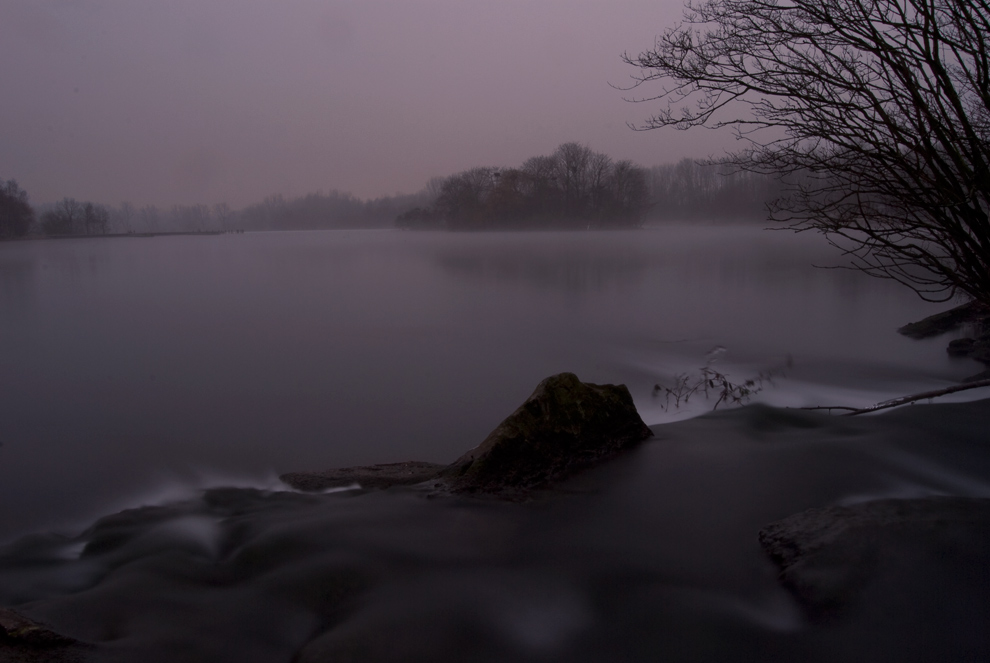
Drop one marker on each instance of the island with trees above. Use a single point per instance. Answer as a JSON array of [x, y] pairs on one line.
[[572, 188]]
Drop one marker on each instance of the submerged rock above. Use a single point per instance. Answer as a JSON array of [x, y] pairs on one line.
[[890, 549], [566, 425], [368, 476]]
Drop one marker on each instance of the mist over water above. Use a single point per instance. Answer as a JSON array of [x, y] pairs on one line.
[[133, 365], [153, 389]]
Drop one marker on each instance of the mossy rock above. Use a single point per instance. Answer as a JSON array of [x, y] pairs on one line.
[[564, 426]]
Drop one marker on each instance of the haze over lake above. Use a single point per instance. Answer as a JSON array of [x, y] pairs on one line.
[[134, 365], [153, 388]]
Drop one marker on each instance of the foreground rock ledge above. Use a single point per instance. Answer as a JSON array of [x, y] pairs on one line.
[[565, 426], [832, 559], [22, 639]]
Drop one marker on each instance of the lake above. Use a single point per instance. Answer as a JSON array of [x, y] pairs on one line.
[[163, 371]]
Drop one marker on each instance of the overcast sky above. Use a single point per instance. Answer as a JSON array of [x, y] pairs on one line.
[[206, 101]]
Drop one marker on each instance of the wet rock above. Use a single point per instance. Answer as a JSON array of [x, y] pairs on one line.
[[564, 426], [889, 550], [961, 347], [24, 640], [947, 321], [369, 476], [974, 348], [981, 350]]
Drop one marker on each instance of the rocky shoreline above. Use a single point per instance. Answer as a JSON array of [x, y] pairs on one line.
[[889, 556], [828, 557]]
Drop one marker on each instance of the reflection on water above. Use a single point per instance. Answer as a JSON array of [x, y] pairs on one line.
[[178, 376], [576, 274], [136, 362], [17, 278]]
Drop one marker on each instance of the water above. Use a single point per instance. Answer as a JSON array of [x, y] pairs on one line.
[[165, 371]]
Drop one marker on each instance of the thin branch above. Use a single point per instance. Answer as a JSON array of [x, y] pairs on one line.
[[903, 400]]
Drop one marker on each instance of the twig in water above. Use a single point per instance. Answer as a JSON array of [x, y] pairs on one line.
[[903, 400], [712, 382]]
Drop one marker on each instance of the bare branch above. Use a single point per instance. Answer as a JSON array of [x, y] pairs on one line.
[[904, 400], [877, 114]]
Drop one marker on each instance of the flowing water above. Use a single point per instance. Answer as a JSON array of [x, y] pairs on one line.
[[162, 383]]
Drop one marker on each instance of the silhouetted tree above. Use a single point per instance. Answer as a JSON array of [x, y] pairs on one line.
[[95, 219], [877, 110], [222, 214], [65, 218], [463, 199], [122, 218], [71, 217], [150, 218], [574, 187], [16, 215]]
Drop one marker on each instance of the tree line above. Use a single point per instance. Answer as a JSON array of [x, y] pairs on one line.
[[693, 190], [320, 211], [574, 187], [69, 217]]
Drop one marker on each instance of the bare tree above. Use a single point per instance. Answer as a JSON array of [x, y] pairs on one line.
[[65, 218], [877, 112], [222, 213], [121, 218], [433, 188], [95, 219], [150, 218]]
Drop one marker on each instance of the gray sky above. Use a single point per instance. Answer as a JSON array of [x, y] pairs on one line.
[[204, 101]]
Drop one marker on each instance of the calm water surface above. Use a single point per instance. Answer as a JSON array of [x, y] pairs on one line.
[[133, 366], [152, 388]]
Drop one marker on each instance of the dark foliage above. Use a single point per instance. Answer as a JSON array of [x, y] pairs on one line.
[[572, 188], [877, 110], [16, 215], [71, 217]]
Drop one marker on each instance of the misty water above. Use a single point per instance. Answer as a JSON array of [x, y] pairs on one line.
[[171, 379]]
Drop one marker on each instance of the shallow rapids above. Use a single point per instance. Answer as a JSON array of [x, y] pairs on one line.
[[653, 557]]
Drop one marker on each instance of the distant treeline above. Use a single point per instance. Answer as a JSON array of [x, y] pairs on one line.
[[322, 211], [574, 187], [16, 215], [693, 191], [70, 217]]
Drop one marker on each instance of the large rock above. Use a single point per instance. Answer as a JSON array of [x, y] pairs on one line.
[[889, 549], [564, 426]]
